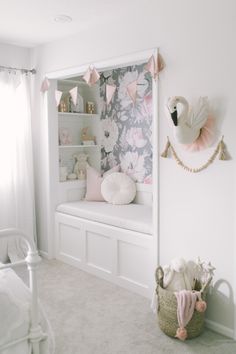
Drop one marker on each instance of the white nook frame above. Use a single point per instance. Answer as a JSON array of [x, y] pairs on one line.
[[36, 334], [121, 61]]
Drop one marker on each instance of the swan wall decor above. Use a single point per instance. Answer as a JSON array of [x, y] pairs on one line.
[[193, 128]]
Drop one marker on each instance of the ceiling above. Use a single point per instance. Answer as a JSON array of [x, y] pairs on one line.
[[31, 22]]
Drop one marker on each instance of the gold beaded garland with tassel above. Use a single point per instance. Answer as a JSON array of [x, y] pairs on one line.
[[220, 149], [165, 152]]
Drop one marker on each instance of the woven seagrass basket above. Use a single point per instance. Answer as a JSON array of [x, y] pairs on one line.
[[167, 309]]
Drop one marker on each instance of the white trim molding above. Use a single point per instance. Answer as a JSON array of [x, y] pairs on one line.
[[44, 254], [216, 327], [112, 63]]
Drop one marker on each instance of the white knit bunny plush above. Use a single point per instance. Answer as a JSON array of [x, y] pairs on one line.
[[178, 276]]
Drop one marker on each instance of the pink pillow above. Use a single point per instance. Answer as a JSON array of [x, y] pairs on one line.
[[94, 181]]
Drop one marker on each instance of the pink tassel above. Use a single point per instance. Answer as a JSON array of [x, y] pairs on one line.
[[201, 306], [181, 333]]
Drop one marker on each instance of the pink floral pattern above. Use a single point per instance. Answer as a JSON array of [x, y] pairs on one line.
[[131, 144]]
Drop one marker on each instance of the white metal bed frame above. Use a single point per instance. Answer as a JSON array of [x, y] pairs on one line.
[[36, 334]]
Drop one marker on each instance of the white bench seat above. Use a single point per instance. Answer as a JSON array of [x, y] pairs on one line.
[[114, 242], [134, 217]]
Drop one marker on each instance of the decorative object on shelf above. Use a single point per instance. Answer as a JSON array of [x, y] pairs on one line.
[[58, 95], [62, 106], [81, 175], [155, 65], [90, 107], [63, 173], [86, 138], [91, 76], [64, 137], [80, 165], [220, 149], [45, 85], [192, 127], [110, 90]]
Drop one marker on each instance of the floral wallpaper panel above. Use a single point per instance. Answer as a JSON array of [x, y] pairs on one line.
[[127, 125]]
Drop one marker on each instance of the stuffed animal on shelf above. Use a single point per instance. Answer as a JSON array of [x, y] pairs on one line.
[[86, 138], [178, 276], [80, 165], [64, 137]]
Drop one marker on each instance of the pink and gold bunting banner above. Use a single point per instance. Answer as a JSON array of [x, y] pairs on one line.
[[155, 66], [151, 67], [58, 95], [160, 63], [87, 75], [74, 94], [45, 85], [110, 90], [91, 76], [132, 90], [94, 76]]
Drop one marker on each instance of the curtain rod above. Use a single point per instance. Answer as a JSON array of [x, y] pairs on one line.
[[24, 71]]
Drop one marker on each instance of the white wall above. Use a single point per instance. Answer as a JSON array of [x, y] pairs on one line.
[[14, 56], [196, 39]]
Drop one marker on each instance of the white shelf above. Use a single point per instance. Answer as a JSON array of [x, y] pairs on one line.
[[74, 82], [71, 114], [77, 146]]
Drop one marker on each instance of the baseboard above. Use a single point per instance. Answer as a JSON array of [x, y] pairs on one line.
[[44, 254], [216, 327]]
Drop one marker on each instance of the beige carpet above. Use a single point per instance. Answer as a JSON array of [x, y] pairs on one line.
[[92, 316]]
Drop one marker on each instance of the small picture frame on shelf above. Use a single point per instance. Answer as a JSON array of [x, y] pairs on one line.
[[90, 107], [64, 136]]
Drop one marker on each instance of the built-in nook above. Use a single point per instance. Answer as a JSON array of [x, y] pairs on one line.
[[96, 236]]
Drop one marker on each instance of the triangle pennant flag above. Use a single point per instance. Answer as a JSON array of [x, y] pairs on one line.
[[74, 94], [58, 95], [132, 90], [94, 76], [91, 76], [45, 85], [154, 66], [160, 63], [151, 66], [87, 75], [110, 90]]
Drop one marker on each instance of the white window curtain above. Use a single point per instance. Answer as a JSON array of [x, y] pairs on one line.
[[16, 163]]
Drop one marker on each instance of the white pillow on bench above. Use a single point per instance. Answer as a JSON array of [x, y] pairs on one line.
[[118, 188]]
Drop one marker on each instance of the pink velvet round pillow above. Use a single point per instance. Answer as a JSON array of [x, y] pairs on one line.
[[118, 188]]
